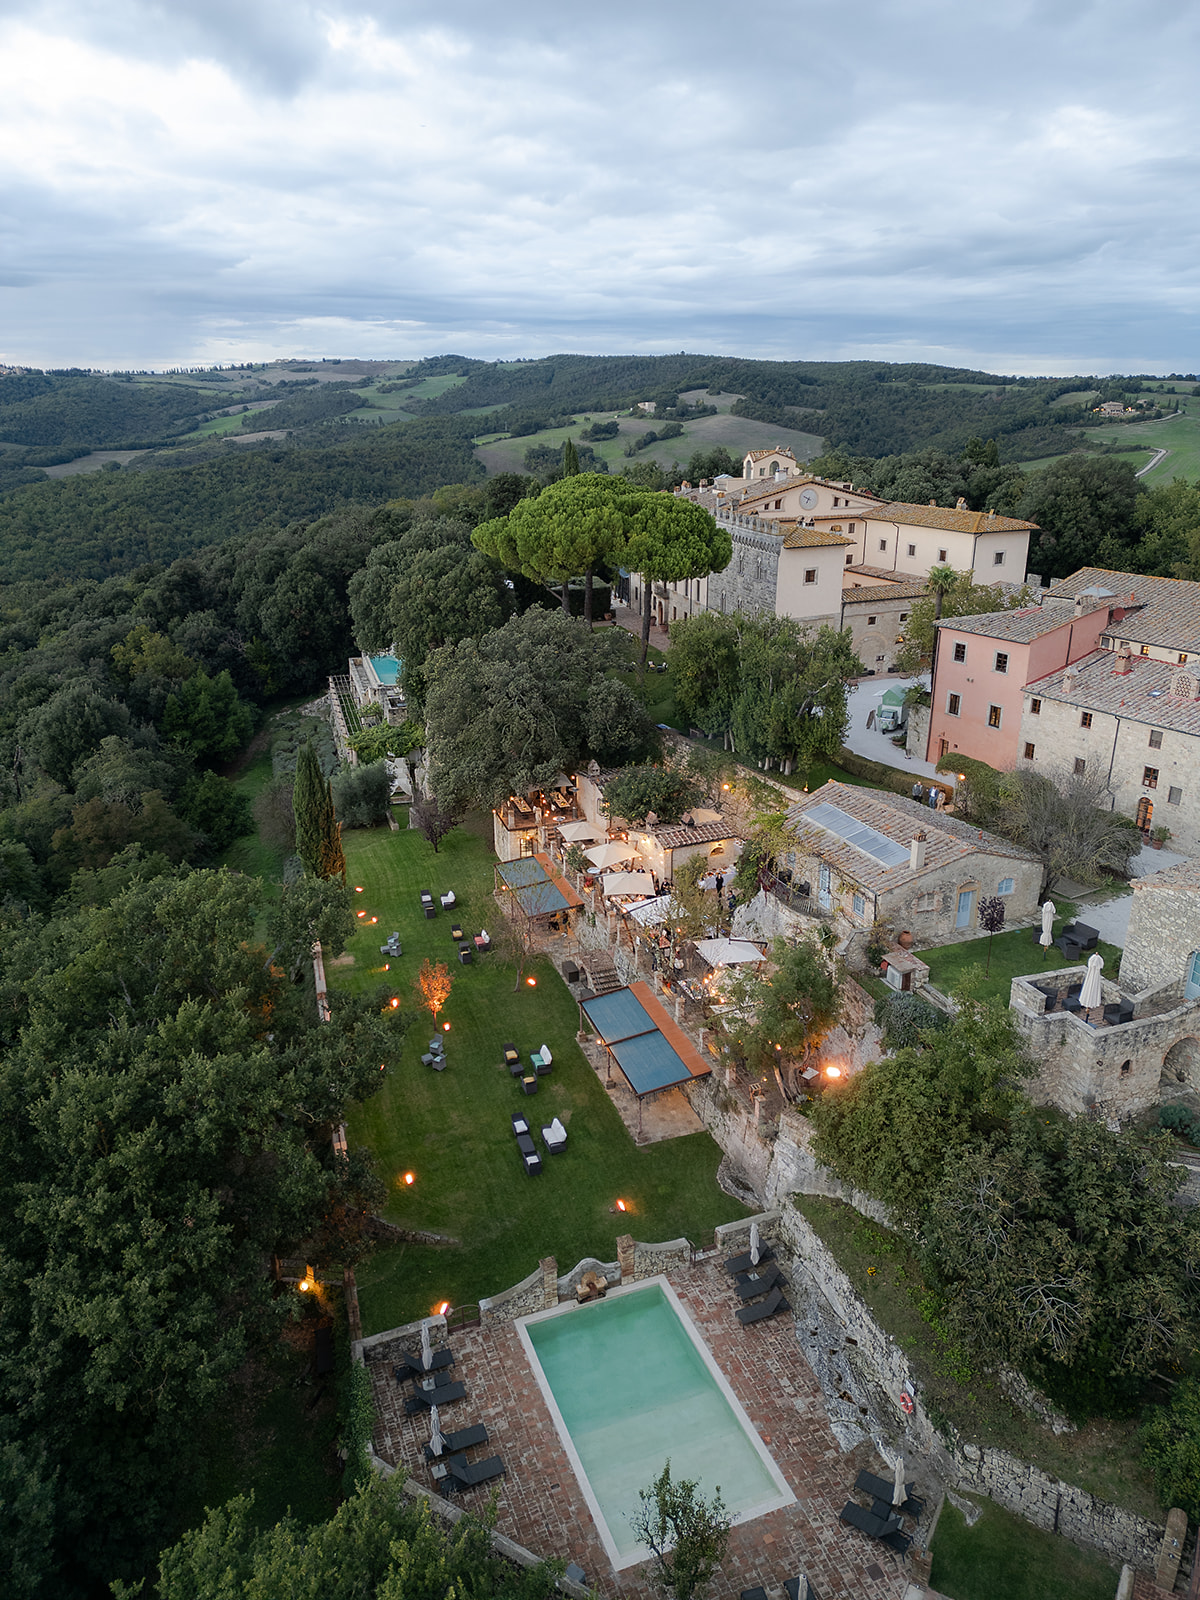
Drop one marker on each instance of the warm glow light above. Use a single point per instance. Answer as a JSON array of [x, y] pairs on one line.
[[410, 1178], [362, 913], [441, 1308], [833, 1072], [445, 1027], [374, 919], [532, 982], [395, 1003], [725, 786], [302, 1285], [358, 888], [620, 1205]]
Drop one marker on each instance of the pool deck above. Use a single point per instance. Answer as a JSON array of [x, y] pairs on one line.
[[542, 1507]]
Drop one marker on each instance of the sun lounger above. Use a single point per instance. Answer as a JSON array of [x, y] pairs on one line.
[[463, 1474], [799, 1589], [555, 1138], [444, 1395], [743, 1263], [882, 1489], [458, 1440], [410, 1366], [448, 900], [749, 1288], [763, 1308], [853, 1515], [897, 1541], [520, 1124], [757, 1593]]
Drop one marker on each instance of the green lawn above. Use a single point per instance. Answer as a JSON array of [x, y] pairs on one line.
[[1013, 955], [737, 434], [1004, 1558], [452, 1129]]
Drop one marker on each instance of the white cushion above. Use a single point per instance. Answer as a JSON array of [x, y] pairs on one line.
[[557, 1131], [544, 1052]]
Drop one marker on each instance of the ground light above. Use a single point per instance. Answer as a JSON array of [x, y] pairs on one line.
[[410, 1178], [532, 982], [395, 1003], [445, 1027], [440, 1309], [833, 1072]]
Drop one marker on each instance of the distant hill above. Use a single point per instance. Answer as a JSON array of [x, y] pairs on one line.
[[77, 410]]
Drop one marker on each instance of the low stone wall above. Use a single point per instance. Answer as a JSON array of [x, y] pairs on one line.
[[534, 1293], [651, 1259], [387, 1346]]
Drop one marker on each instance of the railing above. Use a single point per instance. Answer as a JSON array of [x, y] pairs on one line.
[[790, 896], [462, 1317]]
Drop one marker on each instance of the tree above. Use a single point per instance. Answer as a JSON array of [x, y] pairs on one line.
[[991, 920], [687, 1534], [275, 814], [1170, 1442], [961, 597], [1170, 518], [904, 1020], [362, 794], [671, 539], [1088, 510], [665, 789], [64, 731], [310, 910], [432, 820], [433, 983], [206, 717], [792, 1007], [318, 833], [212, 804], [941, 580], [509, 711], [570, 459], [1063, 818]]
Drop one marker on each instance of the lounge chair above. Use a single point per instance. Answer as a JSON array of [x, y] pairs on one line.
[[533, 1164], [520, 1124], [743, 1263], [456, 932], [426, 897], [459, 1440], [799, 1589], [853, 1515], [529, 1083], [897, 1541], [526, 1145], [445, 1394], [555, 1138], [883, 1489], [762, 1309], [430, 912], [465, 955], [511, 1054], [448, 900], [410, 1366], [438, 1063], [483, 940], [751, 1286], [757, 1593], [437, 1044], [463, 1474]]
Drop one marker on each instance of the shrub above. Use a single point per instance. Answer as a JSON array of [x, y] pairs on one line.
[[361, 795], [1182, 1121], [903, 1018], [1171, 1448]]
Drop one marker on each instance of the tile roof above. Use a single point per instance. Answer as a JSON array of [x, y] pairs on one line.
[[886, 573], [797, 481], [801, 537], [945, 517], [674, 838], [761, 455], [1168, 611], [1018, 627], [1183, 875], [881, 593], [1143, 694], [898, 818]]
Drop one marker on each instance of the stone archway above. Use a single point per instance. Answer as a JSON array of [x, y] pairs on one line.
[[1180, 1080]]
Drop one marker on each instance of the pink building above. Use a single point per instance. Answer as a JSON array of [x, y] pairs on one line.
[[981, 664]]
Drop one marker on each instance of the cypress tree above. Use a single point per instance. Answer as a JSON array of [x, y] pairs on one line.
[[308, 805], [332, 862], [570, 459]]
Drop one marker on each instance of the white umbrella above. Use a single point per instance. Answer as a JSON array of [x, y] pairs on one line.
[[754, 1244], [436, 1443], [628, 883], [1091, 994], [426, 1348], [1049, 912], [899, 1495], [577, 832], [651, 912], [609, 855], [727, 952]]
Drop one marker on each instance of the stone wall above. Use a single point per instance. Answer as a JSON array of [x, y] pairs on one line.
[[1164, 930], [651, 1259], [917, 737], [387, 1346], [534, 1293], [749, 583]]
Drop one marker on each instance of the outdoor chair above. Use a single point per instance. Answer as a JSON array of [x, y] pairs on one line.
[[459, 1439], [456, 932], [438, 1062], [426, 897], [881, 1489], [461, 1474], [529, 1083], [511, 1053], [520, 1124], [799, 1589], [533, 1165], [853, 1515], [540, 1063], [483, 940], [751, 1286], [762, 1309], [437, 1044], [576, 1574], [743, 1263], [897, 1541], [410, 1365], [757, 1593], [448, 900], [444, 1394], [526, 1145], [555, 1138], [430, 913], [464, 955]]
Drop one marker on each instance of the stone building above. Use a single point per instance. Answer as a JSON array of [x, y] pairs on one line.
[[1163, 941], [863, 856], [877, 614]]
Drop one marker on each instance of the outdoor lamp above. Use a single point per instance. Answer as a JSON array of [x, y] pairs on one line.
[[441, 1308], [833, 1072], [410, 1178]]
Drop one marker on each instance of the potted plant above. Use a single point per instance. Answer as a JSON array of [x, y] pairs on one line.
[[1159, 837]]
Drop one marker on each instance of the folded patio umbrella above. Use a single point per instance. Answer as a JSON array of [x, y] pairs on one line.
[[1049, 912], [426, 1347], [1091, 994], [754, 1246], [436, 1443], [609, 855], [899, 1492], [702, 814]]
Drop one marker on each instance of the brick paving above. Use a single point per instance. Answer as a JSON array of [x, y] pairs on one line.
[[542, 1507]]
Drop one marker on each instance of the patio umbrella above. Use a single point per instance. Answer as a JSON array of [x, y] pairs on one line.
[[577, 832], [609, 855], [702, 814], [1091, 994], [754, 1244], [436, 1443], [898, 1492], [426, 1349], [1049, 912]]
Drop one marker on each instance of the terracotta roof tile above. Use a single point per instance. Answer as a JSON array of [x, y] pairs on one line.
[[1168, 609], [800, 537], [674, 838], [944, 517], [881, 593], [1143, 694], [1184, 875], [1017, 627]]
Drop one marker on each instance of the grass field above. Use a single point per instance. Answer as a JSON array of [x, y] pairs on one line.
[[1102, 1456], [737, 434], [1013, 955], [452, 1129], [1002, 1557]]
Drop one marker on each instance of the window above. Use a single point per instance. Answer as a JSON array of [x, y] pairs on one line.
[[1156, 739], [1174, 795], [860, 906], [1150, 778], [1001, 660], [849, 559], [926, 902], [1035, 707], [1080, 766], [953, 704], [912, 549], [1085, 719], [883, 544], [994, 715], [836, 501], [1145, 650], [1183, 658], [851, 528], [810, 574], [870, 622], [904, 616], [1029, 752], [960, 652], [1005, 886], [998, 559], [941, 555]]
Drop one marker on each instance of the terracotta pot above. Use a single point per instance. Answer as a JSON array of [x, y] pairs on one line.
[[905, 940]]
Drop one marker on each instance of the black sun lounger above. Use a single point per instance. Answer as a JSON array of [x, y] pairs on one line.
[[763, 1308], [751, 1288], [459, 1439], [445, 1394], [881, 1489], [743, 1263], [411, 1367], [464, 1474], [867, 1522], [799, 1589]]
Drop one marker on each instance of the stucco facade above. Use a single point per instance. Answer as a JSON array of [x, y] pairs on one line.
[[910, 539]]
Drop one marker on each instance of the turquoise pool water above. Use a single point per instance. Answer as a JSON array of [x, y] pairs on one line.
[[387, 669], [632, 1385]]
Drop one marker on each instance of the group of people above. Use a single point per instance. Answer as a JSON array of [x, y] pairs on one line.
[[933, 797]]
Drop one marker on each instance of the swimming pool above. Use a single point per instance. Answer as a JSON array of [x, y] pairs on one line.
[[629, 1382], [386, 669]]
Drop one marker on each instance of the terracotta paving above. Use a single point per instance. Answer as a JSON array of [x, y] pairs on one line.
[[542, 1507]]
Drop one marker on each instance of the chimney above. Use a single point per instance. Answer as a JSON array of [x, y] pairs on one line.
[[960, 504], [933, 502], [1069, 678], [916, 852], [1124, 661]]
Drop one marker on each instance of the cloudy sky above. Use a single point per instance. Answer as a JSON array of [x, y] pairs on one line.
[[1013, 186]]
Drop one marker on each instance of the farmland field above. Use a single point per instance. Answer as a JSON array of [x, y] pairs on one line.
[[737, 434]]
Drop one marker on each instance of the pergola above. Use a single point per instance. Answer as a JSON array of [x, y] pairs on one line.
[[650, 1051], [533, 885]]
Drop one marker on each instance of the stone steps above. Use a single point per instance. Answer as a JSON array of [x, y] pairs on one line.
[[602, 974]]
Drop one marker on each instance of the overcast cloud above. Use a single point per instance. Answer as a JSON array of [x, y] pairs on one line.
[[1012, 186]]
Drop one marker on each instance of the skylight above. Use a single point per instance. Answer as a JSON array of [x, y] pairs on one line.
[[869, 840]]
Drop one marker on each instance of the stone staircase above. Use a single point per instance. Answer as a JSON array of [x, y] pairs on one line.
[[602, 975]]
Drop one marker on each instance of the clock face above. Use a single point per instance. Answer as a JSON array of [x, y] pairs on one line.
[[808, 498]]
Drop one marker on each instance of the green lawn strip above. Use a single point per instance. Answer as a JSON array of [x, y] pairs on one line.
[[1014, 955], [1003, 1557], [1101, 1457], [452, 1129]]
